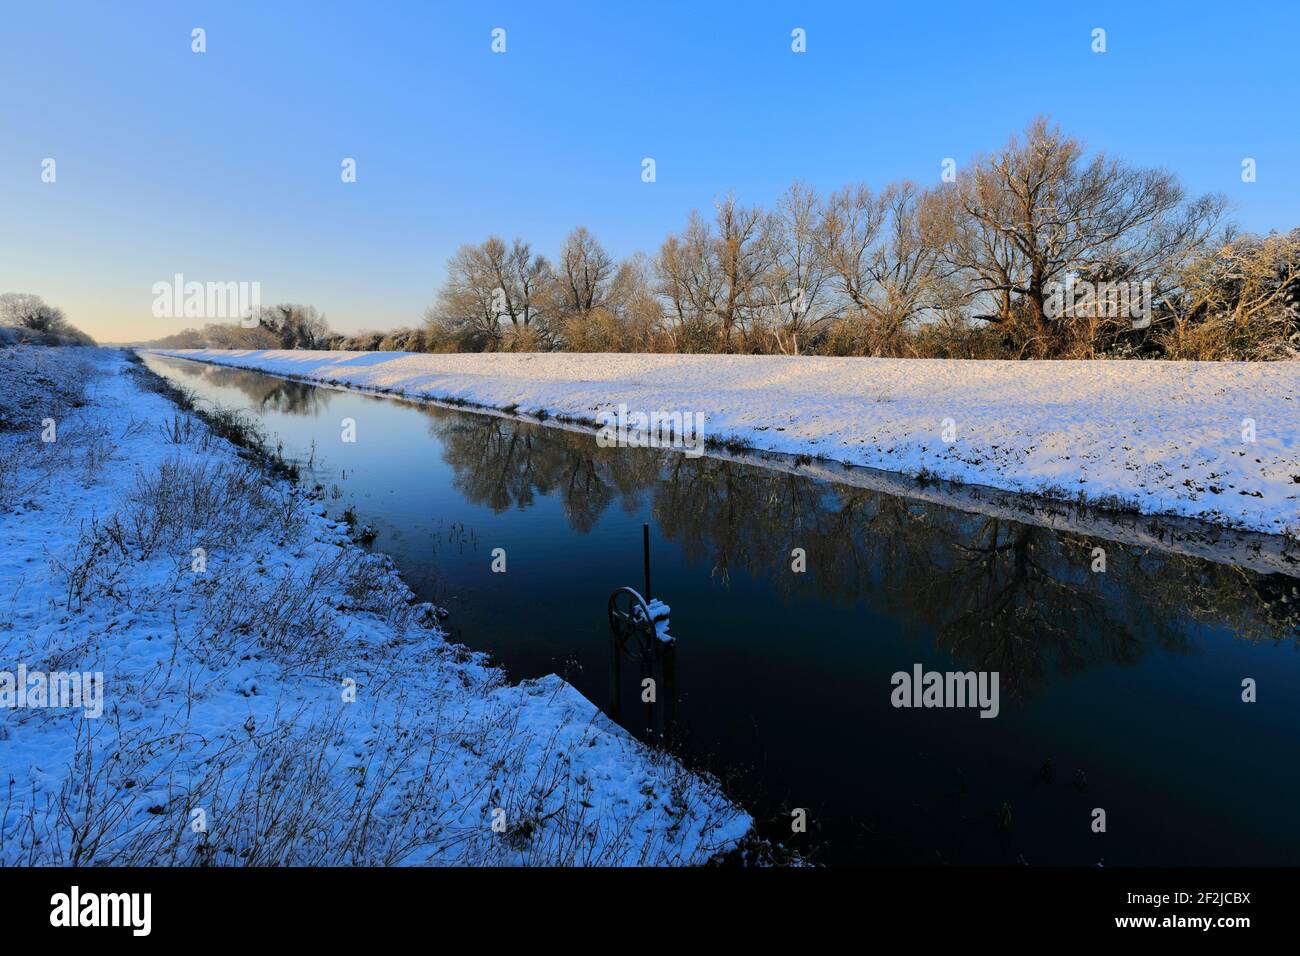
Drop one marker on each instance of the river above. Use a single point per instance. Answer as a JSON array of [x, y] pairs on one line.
[[1119, 690]]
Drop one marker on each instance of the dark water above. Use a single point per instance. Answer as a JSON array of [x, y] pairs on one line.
[[1120, 691]]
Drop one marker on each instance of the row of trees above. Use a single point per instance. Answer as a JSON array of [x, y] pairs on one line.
[[969, 268], [283, 326], [26, 318], [498, 296]]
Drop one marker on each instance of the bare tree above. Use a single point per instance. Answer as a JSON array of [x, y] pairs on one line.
[[742, 259], [850, 232], [632, 300], [525, 279], [295, 326], [883, 252], [690, 283], [1037, 210], [468, 307], [1240, 301], [488, 286], [36, 321], [26, 311], [711, 279], [584, 274], [795, 283]]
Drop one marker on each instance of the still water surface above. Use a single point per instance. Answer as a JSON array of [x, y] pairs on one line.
[[1120, 691]]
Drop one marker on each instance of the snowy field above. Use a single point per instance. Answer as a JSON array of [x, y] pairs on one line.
[[270, 693], [1219, 442]]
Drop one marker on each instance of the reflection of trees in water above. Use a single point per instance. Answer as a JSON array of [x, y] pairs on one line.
[[501, 464], [998, 594], [266, 393], [718, 512], [1019, 599]]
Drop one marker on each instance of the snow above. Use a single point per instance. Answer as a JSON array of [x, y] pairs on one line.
[[1218, 442], [228, 735], [659, 612]]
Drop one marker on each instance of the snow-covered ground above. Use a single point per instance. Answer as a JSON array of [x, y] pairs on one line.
[[271, 693], [1218, 442]]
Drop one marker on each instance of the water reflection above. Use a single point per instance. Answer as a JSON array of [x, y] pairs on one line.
[[266, 393], [998, 594], [505, 464]]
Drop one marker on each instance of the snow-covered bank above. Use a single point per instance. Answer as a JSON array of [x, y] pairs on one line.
[[271, 693], [1219, 442]]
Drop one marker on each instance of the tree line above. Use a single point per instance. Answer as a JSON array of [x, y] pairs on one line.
[[1037, 250], [28, 319]]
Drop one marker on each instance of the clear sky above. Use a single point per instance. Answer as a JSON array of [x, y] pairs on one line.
[[225, 165]]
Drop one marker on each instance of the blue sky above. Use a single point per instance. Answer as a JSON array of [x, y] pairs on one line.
[[225, 165]]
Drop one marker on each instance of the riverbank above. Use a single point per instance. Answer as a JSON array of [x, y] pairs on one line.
[[271, 693], [1215, 442]]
